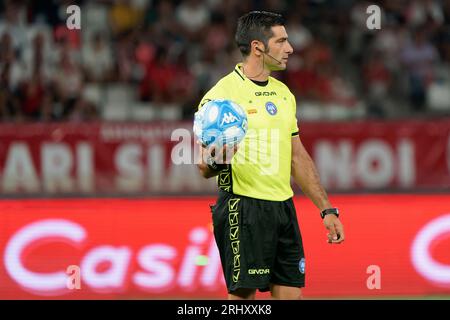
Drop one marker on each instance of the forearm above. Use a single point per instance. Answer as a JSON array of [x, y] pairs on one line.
[[206, 171], [307, 178]]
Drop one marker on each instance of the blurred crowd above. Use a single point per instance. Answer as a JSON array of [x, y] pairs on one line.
[[169, 53]]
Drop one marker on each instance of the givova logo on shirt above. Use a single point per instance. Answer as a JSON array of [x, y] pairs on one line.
[[228, 117]]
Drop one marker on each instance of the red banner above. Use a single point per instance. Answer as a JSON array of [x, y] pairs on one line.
[[378, 155], [158, 158], [164, 248]]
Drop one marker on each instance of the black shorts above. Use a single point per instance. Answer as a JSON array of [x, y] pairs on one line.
[[259, 242]]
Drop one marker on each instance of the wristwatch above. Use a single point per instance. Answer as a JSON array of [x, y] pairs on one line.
[[215, 166], [334, 211]]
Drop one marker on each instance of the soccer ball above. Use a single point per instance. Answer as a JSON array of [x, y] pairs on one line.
[[220, 122]]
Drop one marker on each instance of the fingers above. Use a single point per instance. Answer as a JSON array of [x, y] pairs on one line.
[[229, 152], [221, 155], [336, 234], [340, 233], [204, 146], [332, 235], [213, 151], [225, 154]]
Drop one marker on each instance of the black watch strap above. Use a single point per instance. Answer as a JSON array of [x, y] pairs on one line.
[[334, 211]]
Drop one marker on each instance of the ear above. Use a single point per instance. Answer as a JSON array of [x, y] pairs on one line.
[[257, 47]]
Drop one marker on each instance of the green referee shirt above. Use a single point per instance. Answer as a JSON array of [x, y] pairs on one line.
[[261, 168]]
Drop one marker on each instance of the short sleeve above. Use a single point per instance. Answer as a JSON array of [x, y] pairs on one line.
[[215, 92], [294, 121]]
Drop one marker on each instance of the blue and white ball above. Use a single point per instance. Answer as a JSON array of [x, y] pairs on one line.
[[220, 122]]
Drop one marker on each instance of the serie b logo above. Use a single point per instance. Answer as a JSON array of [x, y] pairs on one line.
[[271, 108]]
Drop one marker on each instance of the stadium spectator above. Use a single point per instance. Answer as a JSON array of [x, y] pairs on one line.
[[377, 80], [68, 82], [124, 17], [419, 58], [39, 54], [82, 111], [422, 12], [14, 23], [119, 41], [125, 58], [97, 59], [12, 68], [299, 36], [193, 16], [31, 94]]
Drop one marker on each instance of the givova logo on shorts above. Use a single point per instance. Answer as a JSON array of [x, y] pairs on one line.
[[233, 220]]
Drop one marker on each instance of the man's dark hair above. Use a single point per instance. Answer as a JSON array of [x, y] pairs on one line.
[[256, 25]]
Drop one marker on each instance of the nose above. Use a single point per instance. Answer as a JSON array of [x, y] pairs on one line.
[[290, 50]]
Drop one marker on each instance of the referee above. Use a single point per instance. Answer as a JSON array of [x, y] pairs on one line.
[[254, 218]]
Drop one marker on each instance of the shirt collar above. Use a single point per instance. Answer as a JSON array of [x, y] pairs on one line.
[[238, 70]]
